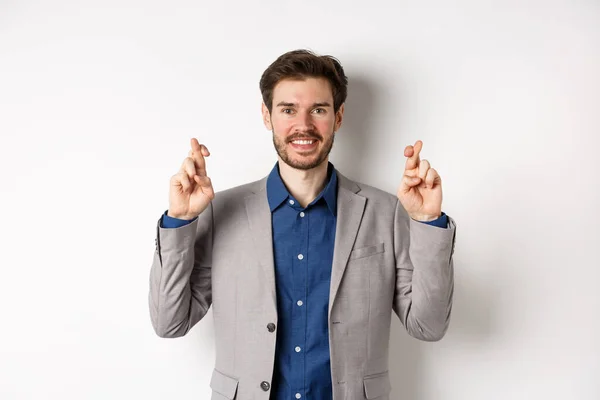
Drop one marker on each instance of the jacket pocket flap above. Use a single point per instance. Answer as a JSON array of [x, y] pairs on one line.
[[377, 385], [223, 384], [367, 251]]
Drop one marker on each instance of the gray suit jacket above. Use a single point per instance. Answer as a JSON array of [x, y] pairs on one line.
[[383, 261]]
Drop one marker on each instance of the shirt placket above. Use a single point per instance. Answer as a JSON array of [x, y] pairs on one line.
[[300, 271]]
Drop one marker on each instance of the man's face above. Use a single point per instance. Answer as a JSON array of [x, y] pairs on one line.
[[303, 121]]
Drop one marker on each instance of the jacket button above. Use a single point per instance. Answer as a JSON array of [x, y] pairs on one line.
[[265, 385], [271, 327]]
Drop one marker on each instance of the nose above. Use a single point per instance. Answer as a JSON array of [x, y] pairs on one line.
[[304, 121]]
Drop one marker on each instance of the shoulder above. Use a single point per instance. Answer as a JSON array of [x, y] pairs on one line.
[[380, 205], [375, 196], [374, 193], [237, 194]]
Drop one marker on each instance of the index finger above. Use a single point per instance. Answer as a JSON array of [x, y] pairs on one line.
[[412, 152]]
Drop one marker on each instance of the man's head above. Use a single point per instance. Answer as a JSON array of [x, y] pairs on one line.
[[303, 105]]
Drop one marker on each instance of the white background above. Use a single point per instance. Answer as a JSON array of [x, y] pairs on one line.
[[98, 101]]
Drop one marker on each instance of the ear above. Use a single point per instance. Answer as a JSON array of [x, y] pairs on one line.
[[266, 115], [339, 115]]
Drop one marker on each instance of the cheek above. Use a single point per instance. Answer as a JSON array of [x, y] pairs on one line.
[[282, 126], [324, 125]]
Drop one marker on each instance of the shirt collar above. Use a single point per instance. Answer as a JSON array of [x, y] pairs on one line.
[[277, 193]]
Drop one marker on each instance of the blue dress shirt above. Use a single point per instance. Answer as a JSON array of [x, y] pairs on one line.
[[303, 241]]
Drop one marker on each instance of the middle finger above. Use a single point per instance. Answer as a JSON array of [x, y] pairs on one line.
[[423, 168], [199, 161]]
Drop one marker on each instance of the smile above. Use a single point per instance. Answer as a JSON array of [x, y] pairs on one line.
[[302, 141]]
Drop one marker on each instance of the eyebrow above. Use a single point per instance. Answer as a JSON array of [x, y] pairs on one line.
[[284, 104]]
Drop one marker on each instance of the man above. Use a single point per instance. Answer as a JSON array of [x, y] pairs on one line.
[[303, 267]]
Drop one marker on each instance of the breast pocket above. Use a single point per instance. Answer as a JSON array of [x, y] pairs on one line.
[[367, 251]]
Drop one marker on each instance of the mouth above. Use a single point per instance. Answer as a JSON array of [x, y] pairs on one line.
[[303, 144]]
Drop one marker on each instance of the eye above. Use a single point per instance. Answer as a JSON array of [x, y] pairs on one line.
[[319, 111], [286, 110]]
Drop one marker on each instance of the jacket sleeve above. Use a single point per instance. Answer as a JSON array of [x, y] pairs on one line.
[[180, 276], [424, 275]]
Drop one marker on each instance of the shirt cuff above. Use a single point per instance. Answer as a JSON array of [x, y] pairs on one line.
[[441, 222], [170, 222]]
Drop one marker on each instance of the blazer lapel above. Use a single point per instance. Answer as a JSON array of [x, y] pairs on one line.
[[259, 219], [350, 208]]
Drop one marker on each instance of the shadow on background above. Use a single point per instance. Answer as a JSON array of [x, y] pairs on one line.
[[351, 152], [473, 307]]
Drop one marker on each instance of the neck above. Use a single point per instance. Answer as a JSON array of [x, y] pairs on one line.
[[304, 185]]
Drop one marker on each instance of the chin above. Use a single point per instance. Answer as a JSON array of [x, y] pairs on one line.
[[303, 163]]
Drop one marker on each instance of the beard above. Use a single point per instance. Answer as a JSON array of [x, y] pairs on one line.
[[310, 162]]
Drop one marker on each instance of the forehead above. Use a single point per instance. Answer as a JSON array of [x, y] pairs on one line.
[[303, 91]]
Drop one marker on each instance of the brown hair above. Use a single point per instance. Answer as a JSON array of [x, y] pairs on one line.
[[301, 64]]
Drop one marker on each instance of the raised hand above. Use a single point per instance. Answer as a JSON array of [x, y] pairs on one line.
[[421, 189], [191, 189]]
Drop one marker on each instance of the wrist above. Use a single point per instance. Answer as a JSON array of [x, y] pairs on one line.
[[424, 217], [180, 216]]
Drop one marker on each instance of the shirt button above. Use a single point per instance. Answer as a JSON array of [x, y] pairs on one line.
[[299, 302], [298, 395], [271, 327], [300, 256], [265, 385], [292, 202], [302, 214], [297, 349]]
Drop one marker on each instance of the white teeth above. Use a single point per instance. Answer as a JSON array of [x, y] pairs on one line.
[[303, 141]]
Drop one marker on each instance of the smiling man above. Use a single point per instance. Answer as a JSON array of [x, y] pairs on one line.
[[304, 267]]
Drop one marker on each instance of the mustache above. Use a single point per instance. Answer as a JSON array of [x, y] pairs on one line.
[[305, 136]]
